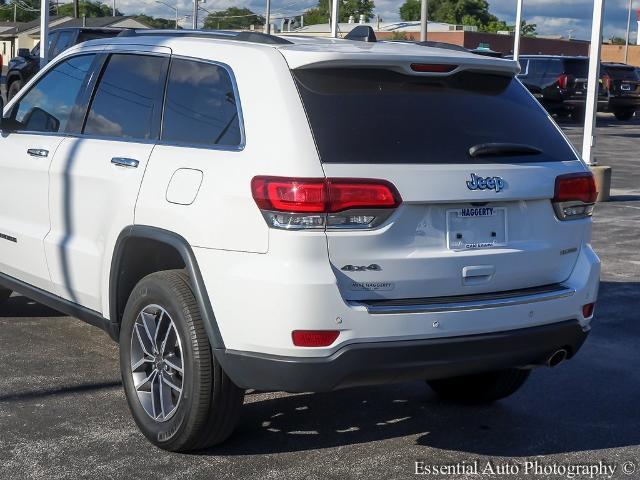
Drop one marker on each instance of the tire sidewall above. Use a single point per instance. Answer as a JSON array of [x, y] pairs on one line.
[[14, 88], [148, 292]]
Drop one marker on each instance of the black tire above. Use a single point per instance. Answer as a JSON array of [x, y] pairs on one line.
[[14, 88], [624, 115], [210, 403], [480, 388], [4, 295]]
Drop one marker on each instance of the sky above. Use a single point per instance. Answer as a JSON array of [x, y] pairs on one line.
[[553, 17]]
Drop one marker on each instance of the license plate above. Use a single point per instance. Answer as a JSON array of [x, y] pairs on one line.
[[626, 87], [476, 227]]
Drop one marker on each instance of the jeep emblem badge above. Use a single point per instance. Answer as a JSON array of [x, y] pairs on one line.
[[485, 183]]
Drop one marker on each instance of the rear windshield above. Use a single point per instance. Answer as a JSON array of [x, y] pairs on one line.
[[380, 116], [622, 73], [578, 68]]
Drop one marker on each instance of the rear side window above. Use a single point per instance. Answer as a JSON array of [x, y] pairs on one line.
[[64, 41], [201, 106], [128, 98], [381, 116]]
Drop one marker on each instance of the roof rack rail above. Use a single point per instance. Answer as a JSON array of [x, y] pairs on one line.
[[245, 36]]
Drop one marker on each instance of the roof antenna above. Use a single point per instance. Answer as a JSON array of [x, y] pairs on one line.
[[362, 33]]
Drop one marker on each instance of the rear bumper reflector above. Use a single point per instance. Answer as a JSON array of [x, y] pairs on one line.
[[467, 302]]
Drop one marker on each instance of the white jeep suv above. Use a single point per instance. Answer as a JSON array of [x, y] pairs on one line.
[[243, 211]]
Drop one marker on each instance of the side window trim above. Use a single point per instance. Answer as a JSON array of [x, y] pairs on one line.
[[157, 118], [236, 93], [81, 107]]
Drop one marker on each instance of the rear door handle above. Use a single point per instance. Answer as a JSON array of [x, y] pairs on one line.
[[125, 162], [38, 152]]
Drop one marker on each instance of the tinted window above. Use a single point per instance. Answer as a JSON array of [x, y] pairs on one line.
[[200, 106], [622, 73], [380, 116], [128, 99], [578, 68], [65, 38], [47, 106]]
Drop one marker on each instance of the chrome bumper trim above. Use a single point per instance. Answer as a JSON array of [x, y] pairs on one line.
[[456, 304]]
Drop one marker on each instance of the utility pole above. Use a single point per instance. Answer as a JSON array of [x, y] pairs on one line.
[[267, 19], [44, 32], [424, 14], [516, 40], [334, 18], [76, 9], [15, 12], [626, 43], [195, 14], [114, 8], [589, 139]]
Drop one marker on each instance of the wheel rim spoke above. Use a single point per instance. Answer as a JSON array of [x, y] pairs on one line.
[[174, 362], [156, 363]]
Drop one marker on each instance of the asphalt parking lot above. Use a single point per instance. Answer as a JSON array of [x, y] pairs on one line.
[[63, 413]]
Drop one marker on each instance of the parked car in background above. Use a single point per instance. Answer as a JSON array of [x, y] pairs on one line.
[[27, 63], [559, 83], [622, 83]]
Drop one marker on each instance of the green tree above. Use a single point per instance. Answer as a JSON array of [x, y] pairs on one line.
[[156, 22], [232, 18], [528, 29], [410, 10], [320, 13], [88, 8]]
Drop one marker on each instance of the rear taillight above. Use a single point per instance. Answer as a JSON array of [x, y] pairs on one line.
[[587, 310], [333, 203], [314, 338], [608, 82], [433, 67], [574, 197], [563, 81]]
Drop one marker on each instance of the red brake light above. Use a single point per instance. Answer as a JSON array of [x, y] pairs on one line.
[[319, 195], [433, 67], [563, 81], [575, 187], [608, 82], [314, 338]]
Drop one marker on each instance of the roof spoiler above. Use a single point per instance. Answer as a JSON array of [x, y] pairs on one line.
[[362, 33]]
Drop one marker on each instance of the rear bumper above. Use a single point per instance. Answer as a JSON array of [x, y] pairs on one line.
[[624, 103], [397, 361]]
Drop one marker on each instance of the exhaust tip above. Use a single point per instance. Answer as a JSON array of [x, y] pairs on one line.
[[557, 358]]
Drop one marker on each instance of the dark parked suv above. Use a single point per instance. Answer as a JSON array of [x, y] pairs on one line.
[[622, 83], [27, 63], [559, 83]]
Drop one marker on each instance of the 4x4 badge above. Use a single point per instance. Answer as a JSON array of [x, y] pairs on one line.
[[485, 183]]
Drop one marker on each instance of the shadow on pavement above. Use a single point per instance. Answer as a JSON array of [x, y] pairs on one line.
[[18, 306], [39, 394]]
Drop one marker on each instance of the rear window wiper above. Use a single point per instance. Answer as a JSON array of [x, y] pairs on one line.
[[502, 150]]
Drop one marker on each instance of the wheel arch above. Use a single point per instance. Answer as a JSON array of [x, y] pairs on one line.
[[141, 250]]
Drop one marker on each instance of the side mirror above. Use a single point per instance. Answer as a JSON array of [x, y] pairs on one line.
[[24, 53]]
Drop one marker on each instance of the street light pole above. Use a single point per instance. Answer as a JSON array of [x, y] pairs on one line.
[[424, 15], [591, 109], [44, 32], [518, 32], [195, 14], [626, 43], [267, 19], [334, 18]]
